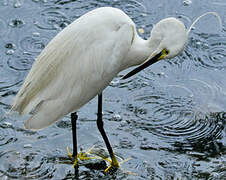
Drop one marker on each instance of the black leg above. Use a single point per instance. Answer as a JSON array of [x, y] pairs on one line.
[[74, 118], [100, 126]]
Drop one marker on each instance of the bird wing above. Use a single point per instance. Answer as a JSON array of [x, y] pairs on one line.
[[73, 68]]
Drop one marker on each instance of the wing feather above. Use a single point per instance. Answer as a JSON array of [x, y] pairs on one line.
[[74, 67]]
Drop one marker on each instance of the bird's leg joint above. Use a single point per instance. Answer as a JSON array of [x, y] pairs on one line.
[[100, 125]]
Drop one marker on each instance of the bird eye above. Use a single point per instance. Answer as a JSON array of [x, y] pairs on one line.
[[167, 51]]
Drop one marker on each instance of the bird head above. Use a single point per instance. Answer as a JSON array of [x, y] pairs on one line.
[[169, 37]]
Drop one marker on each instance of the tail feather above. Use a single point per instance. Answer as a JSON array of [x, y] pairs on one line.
[[47, 113]]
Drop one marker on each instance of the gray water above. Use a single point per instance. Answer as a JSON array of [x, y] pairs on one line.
[[170, 118]]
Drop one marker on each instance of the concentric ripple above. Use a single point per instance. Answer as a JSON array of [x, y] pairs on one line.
[[22, 63], [131, 6], [33, 44], [170, 118], [176, 115], [217, 52], [16, 23], [53, 19], [9, 77], [7, 134], [25, 164], [128, 6], [211, 51]]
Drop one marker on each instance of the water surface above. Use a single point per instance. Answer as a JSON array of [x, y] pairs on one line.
[[170, 118]]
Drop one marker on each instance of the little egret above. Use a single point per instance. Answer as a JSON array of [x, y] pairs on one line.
[[81, 60]]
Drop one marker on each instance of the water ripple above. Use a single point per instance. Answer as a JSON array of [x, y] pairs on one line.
[[9, 78], [210, 51], [170, 123], [16, 23], [25, 164], [217, 52], [33, 44], [15, 3], [53, 19], [22, 63], [7, 134], [128, 6], [131, 6], [3, 29], [176, 115]]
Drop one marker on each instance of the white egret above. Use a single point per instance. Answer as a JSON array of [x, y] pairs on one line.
[[80, 62]]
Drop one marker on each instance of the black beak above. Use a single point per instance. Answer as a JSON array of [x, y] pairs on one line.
[[143, 66]]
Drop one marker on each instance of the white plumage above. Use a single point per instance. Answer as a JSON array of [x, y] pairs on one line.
[[84, 57]]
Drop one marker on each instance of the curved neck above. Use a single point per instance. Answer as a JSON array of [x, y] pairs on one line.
[[139, 52]]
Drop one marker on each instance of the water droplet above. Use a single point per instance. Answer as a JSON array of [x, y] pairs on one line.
[[17, 4], [187, 2], [7, 124], [193, 28], [117, 117], [198, 43], [36, 34], [10, 46], [27, 146], [114, 83], [161, 74], [63, 25], [16, 23], [205, 45], [27, 53], [10, 52]]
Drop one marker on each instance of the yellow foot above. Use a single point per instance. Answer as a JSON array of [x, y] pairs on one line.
[[90, 155], [115, 164], [82, 156], [70, 156], [68, 152]]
